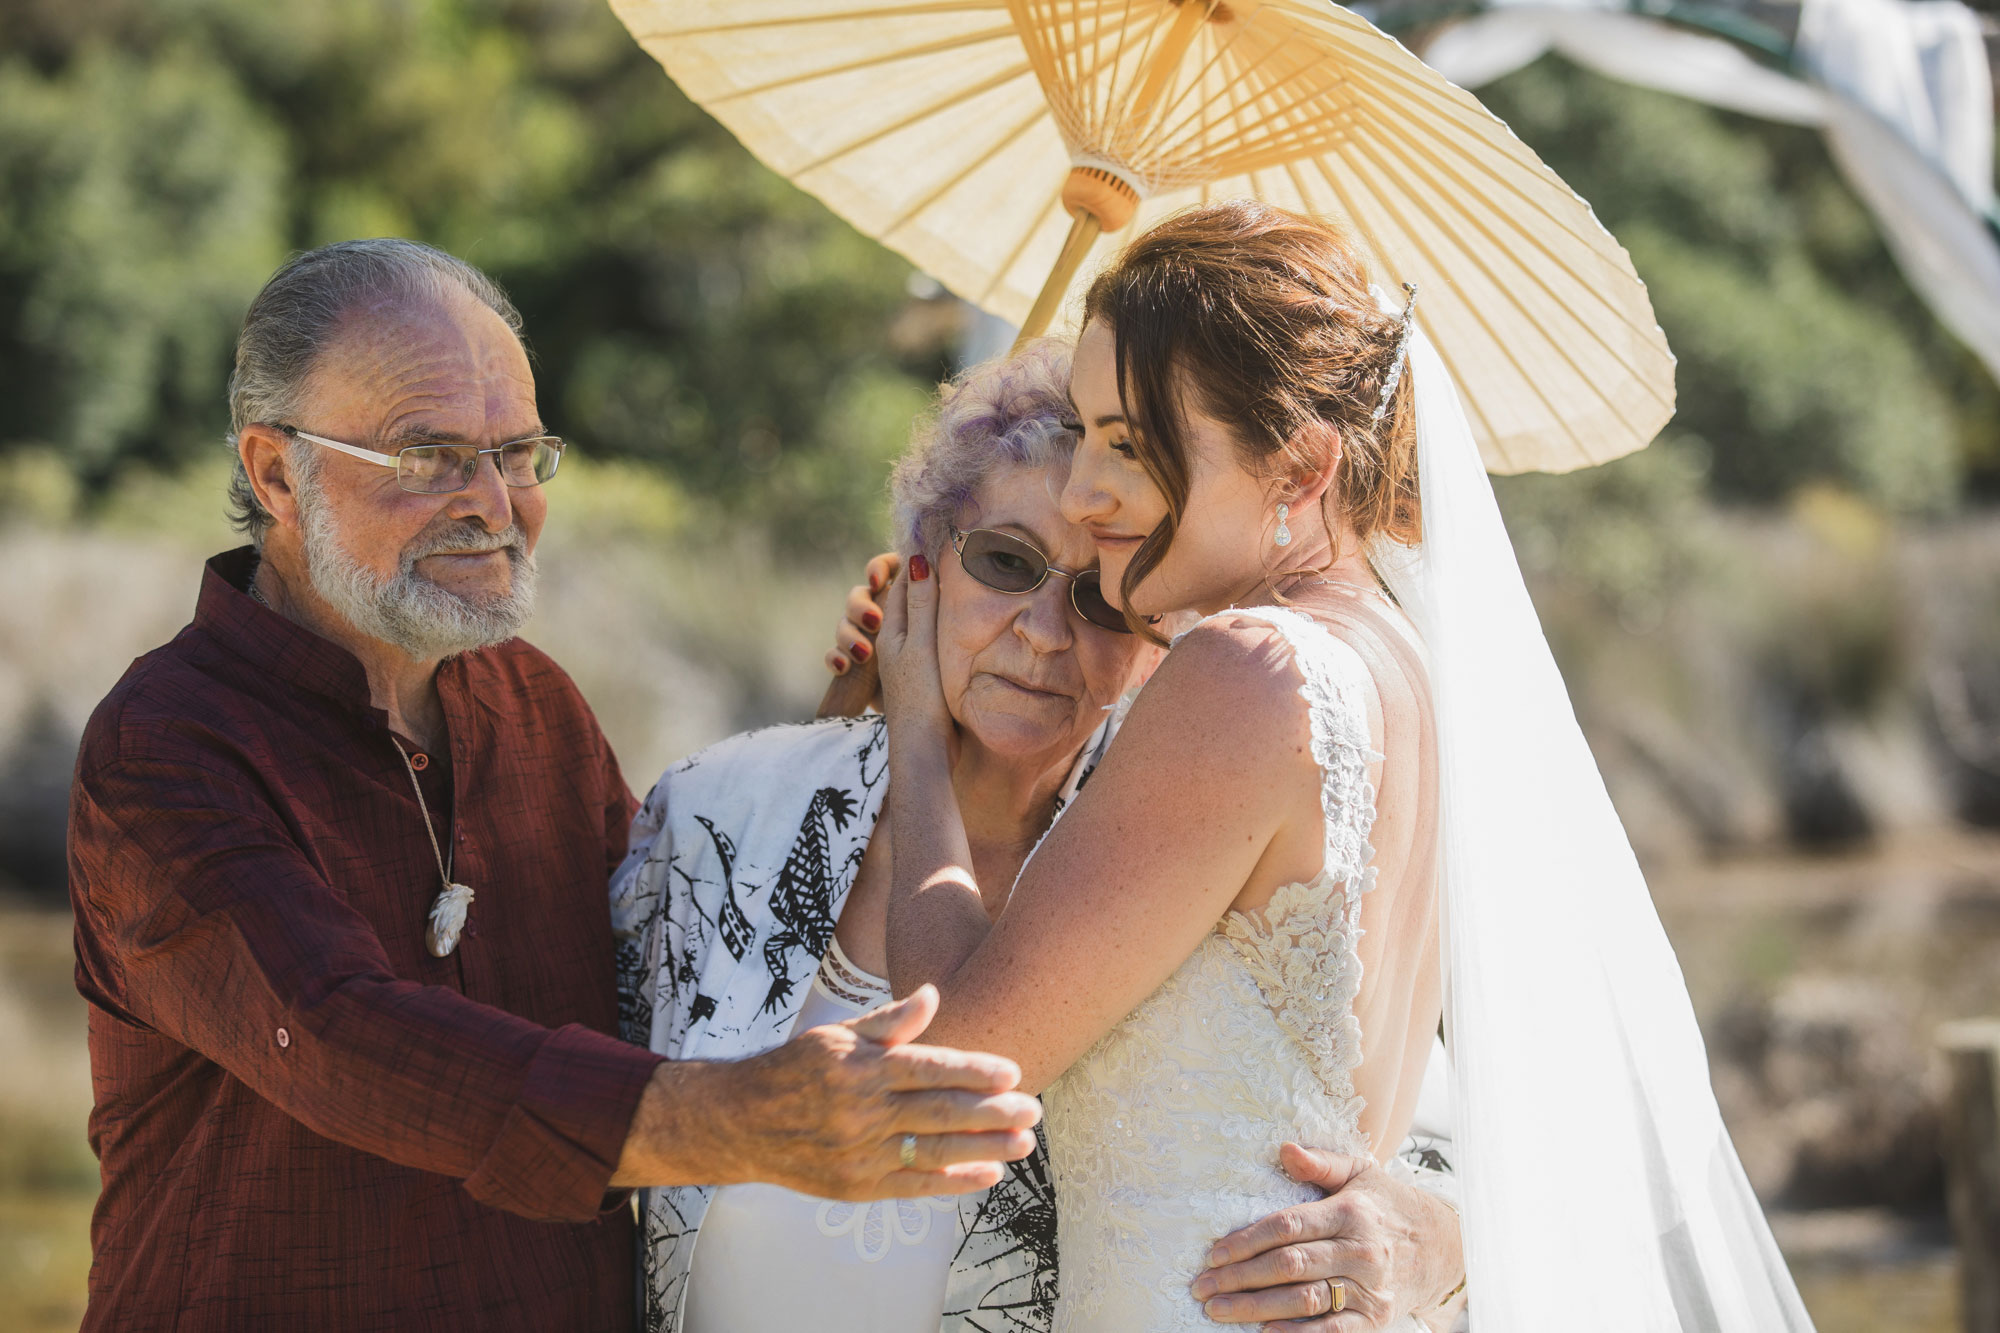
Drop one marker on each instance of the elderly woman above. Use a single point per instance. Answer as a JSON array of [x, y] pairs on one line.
[[753, 904]]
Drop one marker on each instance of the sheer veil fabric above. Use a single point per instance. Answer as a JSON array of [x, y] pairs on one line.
[[1600, 1189]]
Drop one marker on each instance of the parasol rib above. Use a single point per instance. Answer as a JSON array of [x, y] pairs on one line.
[[964, 95], [939, 47], [1222, 49], [1048, 57], [876, 15], [971, 168], [1478, 312], [1644, 332], [1358, 219], [1055, 205], [1165, 134], [1590, 237], [1101, 89]]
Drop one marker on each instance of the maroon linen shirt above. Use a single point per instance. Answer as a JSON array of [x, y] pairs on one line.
[[303, 1120]]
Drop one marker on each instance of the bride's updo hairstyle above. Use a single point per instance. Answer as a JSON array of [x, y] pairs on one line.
[[1264, 317]]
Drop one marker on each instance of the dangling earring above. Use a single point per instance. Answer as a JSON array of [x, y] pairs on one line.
[[1283, 536]]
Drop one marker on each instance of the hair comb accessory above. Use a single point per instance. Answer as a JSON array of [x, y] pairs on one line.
[[1395, 375]]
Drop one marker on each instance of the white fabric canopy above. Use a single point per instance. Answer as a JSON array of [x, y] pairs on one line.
[[1901, 90]]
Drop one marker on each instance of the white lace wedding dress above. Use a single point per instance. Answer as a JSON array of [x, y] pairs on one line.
[[1165, 1135]]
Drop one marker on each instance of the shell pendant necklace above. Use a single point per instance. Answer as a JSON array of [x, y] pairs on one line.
[[454, 901]]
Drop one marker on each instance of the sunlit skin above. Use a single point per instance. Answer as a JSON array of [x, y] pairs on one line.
[[445, 370], [823, 1112], [1223, 554], [1140, 868], [1026, 679]]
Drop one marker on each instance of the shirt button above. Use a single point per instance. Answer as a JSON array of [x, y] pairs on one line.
[[284, 1037], [420, 762]]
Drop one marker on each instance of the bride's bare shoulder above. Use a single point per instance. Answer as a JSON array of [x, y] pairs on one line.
[[1231, 681]]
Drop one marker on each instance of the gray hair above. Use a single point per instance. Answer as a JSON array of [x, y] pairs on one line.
[[1010, 410], [298, 315]]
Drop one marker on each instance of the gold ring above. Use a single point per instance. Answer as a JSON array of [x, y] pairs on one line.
[[1337, 1293], [909, 1152]]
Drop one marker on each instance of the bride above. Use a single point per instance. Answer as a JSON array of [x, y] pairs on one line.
[[1231, 939]]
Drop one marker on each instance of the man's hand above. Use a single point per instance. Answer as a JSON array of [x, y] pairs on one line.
[[827, 1112], [1394, 1247]]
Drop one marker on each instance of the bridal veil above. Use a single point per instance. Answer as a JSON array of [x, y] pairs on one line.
[[1600, 1190]]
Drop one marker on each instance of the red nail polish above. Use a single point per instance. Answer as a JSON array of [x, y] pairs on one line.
[[871, 621], [840, 665], [861, 652], [920, 569]]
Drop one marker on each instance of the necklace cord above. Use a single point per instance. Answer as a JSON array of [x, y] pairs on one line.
[[444, 868]]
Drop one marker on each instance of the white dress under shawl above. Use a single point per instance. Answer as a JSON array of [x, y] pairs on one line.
[[1166, 1133]]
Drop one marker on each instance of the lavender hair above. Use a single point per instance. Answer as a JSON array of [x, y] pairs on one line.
[[1009, 410]]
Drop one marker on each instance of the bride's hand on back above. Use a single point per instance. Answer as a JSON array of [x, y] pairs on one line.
[[1395, 1249]]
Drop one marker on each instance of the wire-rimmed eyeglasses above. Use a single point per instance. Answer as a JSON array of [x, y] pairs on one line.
[[441, 469], [1013, 565]]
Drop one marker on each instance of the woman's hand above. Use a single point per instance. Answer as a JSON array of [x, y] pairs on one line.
[[855, 688], [907, 658], [1395, 1249], [854, 636]]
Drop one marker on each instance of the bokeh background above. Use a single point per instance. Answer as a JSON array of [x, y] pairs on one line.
[[1781, 622]]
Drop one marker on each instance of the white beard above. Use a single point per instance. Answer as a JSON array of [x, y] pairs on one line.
[[407, 610]]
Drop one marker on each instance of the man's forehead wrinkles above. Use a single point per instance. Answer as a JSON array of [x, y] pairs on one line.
[[454, 374]]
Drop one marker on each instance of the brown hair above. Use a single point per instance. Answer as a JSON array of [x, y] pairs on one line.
[[1265, 318]]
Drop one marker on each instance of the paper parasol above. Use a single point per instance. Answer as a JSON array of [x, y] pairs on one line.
[[990, 142]]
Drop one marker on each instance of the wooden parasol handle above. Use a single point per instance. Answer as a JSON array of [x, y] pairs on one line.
[[1083, 233], [1099, 201]]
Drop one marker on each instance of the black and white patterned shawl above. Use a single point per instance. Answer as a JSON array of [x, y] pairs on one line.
[[740, 863]]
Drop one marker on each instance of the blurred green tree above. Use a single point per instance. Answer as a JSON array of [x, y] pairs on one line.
[[686, 307], [140, 200], [691, 311]]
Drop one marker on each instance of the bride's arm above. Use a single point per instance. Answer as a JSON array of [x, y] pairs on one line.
[[1213, 764]]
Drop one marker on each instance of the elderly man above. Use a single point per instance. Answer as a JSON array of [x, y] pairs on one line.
[[338, 862]]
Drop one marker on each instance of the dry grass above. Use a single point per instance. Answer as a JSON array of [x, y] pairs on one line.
[[48, 1179], [1909, 1298]]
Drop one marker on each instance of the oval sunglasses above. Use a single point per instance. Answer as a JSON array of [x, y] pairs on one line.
[[1013, 565]]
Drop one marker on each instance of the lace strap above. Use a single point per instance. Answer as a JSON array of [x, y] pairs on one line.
[[1302, 947], [1341, 744]]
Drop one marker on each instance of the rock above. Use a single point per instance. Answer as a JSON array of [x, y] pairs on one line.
[[1831, 1095]]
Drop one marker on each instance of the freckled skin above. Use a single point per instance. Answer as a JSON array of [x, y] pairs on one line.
[[444, 368], [452, 372], [990, 642], [1223, 553], [1015, 747]]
